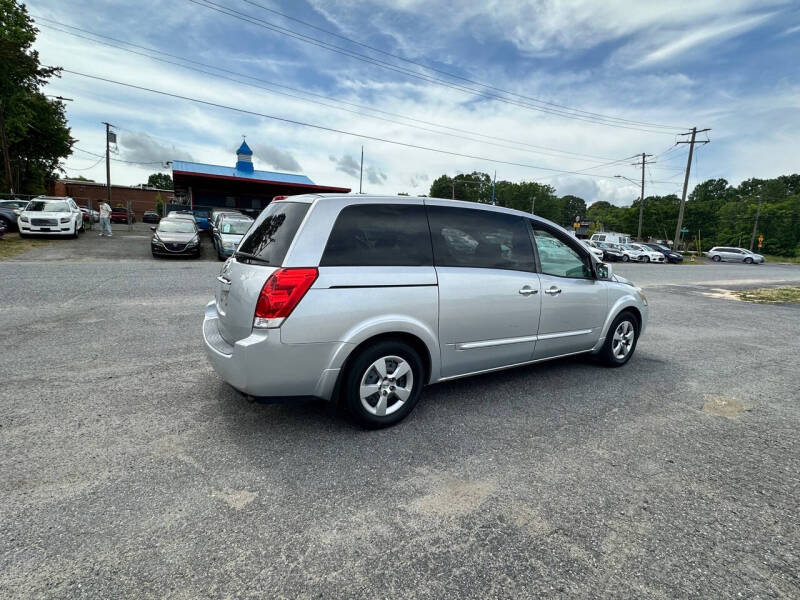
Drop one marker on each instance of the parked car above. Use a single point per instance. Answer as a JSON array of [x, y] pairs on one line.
[[175, 237], [646, 254], [9, 215], [368, 299], [181, 214], [611, 252], [218, 213], [90, 215], [150, 216], [728, 253], [3, 228], [15, 204], [597, 252], [228, 233], [202, 215], [612, 237], [119, 214], [669, 255], [50, 215]]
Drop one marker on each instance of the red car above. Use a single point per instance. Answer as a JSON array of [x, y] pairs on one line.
[[119, 214]]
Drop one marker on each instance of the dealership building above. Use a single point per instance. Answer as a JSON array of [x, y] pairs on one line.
[[240, 186]]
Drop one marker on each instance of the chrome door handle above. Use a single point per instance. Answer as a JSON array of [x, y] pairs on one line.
[[527, 291], [553, 291]]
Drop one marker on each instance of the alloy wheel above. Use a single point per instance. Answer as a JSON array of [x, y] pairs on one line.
[[386, 385], [622, 341]]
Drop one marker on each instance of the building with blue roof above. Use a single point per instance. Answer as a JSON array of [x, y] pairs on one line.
[[241, 186]]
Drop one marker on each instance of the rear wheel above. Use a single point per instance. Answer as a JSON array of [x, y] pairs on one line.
[[383, 384], [620, 340], [748, 260], [625, 258]]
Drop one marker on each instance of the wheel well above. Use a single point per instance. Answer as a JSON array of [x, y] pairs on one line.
[[408, 338], [635, 312]]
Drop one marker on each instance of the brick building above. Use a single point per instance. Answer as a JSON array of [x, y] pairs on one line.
[[82, 192]]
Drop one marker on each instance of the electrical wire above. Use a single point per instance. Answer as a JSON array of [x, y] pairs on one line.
[[453, 75], [329, 129], [343, 51], [132, 162], [274, 84]]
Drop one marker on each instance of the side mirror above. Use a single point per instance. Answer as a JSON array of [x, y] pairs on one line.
[[152, 228], [603, 270]]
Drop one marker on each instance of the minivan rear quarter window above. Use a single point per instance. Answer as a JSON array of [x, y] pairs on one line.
[[271, 235], [464, 237], [386, 235]]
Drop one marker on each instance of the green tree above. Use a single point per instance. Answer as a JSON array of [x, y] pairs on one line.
[[162, 181], [36, 128], [159, 205]]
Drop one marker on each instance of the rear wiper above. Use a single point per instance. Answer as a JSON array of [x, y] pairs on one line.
[[249, 256]]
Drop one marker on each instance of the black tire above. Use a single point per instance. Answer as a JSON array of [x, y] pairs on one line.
[[748, 260], [361, 366], [647, 259], [23, 235], [156, 256], [716, 258], [606, 354], [75, 232], [625, 258]]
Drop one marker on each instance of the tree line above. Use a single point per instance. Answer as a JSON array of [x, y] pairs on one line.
[[716, 214]]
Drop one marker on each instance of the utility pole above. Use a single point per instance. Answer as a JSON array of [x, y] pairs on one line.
[[691, 143], [755, 225], [361, 173], [641, 198], [6, 158], [533, 204], [108, 164]]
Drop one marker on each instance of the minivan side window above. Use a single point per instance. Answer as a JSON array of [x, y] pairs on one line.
[[558, 258], [379, 235], [464, 237]]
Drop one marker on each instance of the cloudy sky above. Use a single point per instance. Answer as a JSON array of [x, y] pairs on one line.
[[549, 91]]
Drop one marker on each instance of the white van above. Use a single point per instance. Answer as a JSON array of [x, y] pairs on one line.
[[611, 236]]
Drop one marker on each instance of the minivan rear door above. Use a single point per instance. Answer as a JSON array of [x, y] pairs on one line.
[[489, 296], [260, 253]]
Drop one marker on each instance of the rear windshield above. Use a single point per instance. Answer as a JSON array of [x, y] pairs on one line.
[[271, 235]]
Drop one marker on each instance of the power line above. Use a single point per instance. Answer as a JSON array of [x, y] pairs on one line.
[[453, 75], [271, 83], [329, 129], [364, 58], [132, 162]]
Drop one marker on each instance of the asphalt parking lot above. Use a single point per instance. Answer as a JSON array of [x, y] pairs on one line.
[[130, 470]]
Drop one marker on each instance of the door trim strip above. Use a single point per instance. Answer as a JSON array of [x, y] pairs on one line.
[[519, 340]]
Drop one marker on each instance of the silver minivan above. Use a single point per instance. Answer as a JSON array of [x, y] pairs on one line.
[[365, 300]]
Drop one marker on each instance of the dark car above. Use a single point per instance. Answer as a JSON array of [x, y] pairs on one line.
[[119, 214], [611, 252], [150, 216], [202, 215], [175, 237], [8, 217], [181, 214], [669, 255]]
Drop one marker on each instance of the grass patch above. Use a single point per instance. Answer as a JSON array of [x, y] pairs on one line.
[[11, 245], [771, 258], [770, 295]]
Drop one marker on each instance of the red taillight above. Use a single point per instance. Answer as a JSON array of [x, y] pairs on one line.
[[276, 198], [281, 293]]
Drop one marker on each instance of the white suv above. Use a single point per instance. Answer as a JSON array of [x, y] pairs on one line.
[[50, 215]]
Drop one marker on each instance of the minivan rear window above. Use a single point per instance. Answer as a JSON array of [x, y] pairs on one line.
[[271, 235], [379, 235]]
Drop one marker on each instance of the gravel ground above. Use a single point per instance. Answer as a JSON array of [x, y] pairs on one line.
[[129, 470]]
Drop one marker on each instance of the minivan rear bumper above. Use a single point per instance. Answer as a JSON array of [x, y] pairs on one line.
[[261, 365]]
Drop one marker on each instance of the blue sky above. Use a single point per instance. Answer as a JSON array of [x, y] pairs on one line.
[[728, 65]]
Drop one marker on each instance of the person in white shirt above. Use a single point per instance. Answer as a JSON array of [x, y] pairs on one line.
[[105, 219]]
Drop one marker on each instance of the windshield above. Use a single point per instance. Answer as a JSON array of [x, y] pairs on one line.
[[47, 206], [176, 226], [629, 247], [235, 227]]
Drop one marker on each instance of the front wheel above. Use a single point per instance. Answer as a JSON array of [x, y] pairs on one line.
[[647, 259], [383, 384], [716, 258], [620, 340], [625, 258]]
